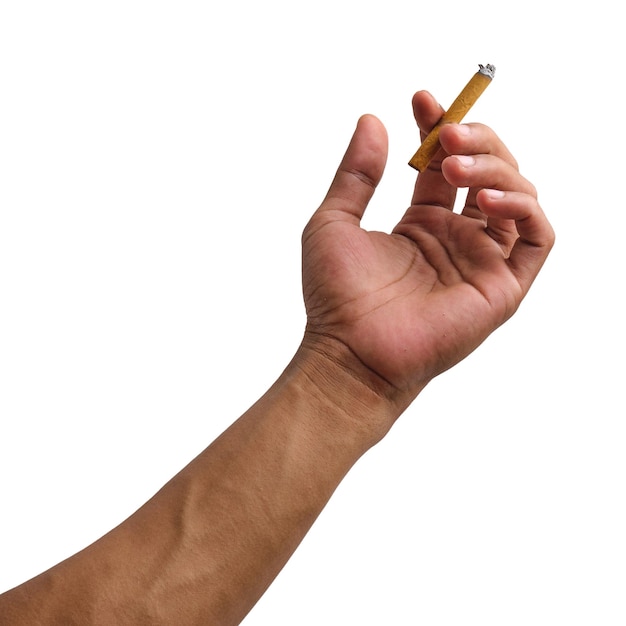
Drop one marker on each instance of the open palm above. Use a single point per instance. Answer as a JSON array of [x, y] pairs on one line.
[[412, 303]]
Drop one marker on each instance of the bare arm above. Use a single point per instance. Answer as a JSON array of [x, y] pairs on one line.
[[385, 314], [206, 547]]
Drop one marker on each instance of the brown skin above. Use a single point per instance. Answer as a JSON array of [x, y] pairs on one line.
[[386, 313]]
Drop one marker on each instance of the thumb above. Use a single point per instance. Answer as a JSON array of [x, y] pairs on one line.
[[360, 170]]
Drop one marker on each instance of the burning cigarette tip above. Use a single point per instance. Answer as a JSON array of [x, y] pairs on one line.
[[487, 70]]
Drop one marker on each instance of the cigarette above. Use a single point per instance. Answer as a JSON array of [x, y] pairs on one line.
[[463, 103]]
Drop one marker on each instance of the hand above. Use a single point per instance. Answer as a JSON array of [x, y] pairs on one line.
[[408, 305]]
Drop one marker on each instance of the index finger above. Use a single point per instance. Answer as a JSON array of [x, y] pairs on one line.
[[431, 187]]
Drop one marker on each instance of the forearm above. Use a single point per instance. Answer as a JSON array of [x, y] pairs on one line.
[[206, 547]]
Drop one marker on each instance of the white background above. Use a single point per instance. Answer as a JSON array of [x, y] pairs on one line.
[[158, 161]]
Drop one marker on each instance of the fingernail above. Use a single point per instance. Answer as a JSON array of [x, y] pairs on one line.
[[465, 160], [494, 194]]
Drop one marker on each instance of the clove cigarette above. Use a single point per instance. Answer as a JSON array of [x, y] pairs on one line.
[[463, 103]]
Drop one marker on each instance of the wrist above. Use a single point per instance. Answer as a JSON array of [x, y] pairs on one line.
[[364, 400]]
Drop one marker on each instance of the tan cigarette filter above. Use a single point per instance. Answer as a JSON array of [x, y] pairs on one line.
[[463, 103]]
